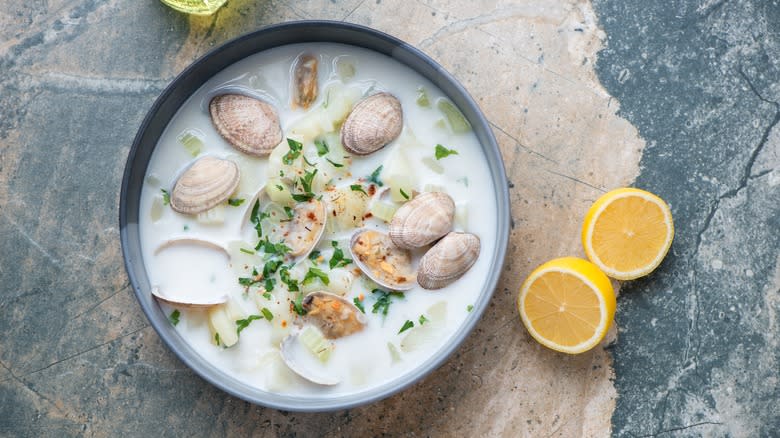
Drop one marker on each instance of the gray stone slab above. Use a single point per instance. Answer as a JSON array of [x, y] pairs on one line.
[[697, 352]]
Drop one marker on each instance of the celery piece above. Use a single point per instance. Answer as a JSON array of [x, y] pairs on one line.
[[430, 163], [455, 118], [314, 341], [156, 211], [383, 210], [191, 140], [422, 97], [279, 193]]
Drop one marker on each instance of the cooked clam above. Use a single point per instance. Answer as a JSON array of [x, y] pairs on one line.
[[208, 182], [448, 260], [184, 298], [305, 228], [305, 81], [373, 123], [248, 124], [192, 241], [422, 220], [381, 260], [302, 362], [334, 315]]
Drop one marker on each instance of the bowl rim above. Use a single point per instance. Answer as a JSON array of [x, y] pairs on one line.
[[198, 73]]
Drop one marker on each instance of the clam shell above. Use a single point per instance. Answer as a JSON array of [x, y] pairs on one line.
[[306, 228], [448, 260], [188, 303], [248, 124], [373, 123], [289, 349], [305, 81], [208, 182], [376, 255], [334, 315], [422, 220]]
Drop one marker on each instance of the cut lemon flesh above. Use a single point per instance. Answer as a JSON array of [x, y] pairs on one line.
[[627, 233], [567, 304]]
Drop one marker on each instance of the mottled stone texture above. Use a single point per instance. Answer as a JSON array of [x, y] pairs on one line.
[[698, 341]]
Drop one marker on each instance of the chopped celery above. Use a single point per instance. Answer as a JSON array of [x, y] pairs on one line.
[[314, 341], [213, 216], [157, 208], [432, 164], [422, 97], [383, 210], [191, 140], [457, 121], [395, 355]]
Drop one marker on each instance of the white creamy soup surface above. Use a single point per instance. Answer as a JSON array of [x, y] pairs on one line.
[[378, 353]]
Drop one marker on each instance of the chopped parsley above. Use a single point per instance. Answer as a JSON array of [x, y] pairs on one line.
[[174, 318], [295, 151], [241, 324], [284, 275], [267, 295], [216, 338], [256, 218], [289, 212], [267, 313], [298, 305], [333, 163], [246, 251], [374, 177], [269, 286], [469, 308], [359, 304], [337, 260], [308, 162], [305, 183], [280, 187], [423, 319], [270, 248], [322, 147], [442, 152], [314, 255], [358, 188], [166, 197], [235, 202], [313, 274], [269, 269], [186, 227], [249, 281], [383, 302], [407, 325], [403, 193]]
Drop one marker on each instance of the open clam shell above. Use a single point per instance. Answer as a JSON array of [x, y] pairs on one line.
[[249, 124], [381, 260], [190, 303], [334, 315], [207, 182], [422, 220], [181, 299], [306, 227], [294, 356], [373, 123], [448, 260]]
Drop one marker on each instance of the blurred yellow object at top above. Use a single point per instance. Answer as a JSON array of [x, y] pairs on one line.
[[196, 7]]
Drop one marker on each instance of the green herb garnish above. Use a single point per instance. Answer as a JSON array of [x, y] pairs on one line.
[[358, 188], [241, 324], [246, 251], [423, 319], [186, 227], [374, 177], [267, 295], [270, 268], [359, 304], [403, 193], [289, 212], [333, 163], [383, 302], [235, 202], [267, 313], [174, 318], [298, 305], [295, 151], [442, 152], [305, 183], [314, 255], [469, 308], [270, 248], [269, 286], [337, 260], [322, 147], [216, 338], [284, 275], [407, 325], [313, 274], [166, 197]]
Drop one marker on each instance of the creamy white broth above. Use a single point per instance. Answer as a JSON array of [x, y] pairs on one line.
[[362, 360]]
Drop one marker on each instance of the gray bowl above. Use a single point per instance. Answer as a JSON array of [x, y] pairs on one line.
[[196, 75]]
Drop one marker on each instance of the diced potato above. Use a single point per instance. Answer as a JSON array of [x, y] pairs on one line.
[[340, 280], [346, 67], [213, 216], [437, 313], [395, 355], [279, 192], [314, 123], [234, 310], [432, 164], [222, 327], [397, 175], [419, 336], [346, 208], [278, 377], [462, 215], [251, 179], [340, 101], [276, 166], [383, 210], [280, 307]]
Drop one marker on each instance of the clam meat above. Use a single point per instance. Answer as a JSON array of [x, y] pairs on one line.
[[381, 260], [248, 124], [304, 81], [422, 220], [207, 182], [334, 315], [373, 123], [448, 260]]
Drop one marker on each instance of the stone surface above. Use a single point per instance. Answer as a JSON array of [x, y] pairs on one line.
[[78, 356], [698, 352]]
